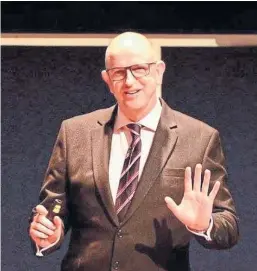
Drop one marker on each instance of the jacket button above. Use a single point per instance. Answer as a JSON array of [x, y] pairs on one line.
[[119, 234], [116, 265]]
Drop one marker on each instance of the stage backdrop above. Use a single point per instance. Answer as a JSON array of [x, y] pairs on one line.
[[41, 86]]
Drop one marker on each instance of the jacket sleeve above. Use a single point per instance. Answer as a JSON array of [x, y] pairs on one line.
[[55, 186], [225, 230]]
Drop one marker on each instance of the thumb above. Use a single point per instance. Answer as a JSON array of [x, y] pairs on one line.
[[171, 204], [41, 210]]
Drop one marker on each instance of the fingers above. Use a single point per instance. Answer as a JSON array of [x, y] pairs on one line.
[[41, 210], [41, 227], [197, 177], [41, 230], [206, 181], [41, 217], [198, 185], [171, 204], [188, 179], [58, 222], [214, 191], [37, 234]]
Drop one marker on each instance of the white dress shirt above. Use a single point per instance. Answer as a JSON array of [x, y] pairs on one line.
[[121, 140]]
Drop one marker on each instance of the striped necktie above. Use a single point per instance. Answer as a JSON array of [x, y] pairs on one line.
[[129, 176]]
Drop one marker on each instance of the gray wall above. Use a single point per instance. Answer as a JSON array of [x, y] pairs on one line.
[[42, 86]]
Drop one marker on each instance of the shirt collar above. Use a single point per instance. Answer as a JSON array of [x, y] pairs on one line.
[[150, 121]]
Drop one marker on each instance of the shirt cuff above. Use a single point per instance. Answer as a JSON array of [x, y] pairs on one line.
[[205, 234]]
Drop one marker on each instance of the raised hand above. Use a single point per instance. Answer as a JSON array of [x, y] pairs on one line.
[[195, 209], [44, 232]]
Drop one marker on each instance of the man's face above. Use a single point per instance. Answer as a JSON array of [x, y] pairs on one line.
[[135, 94]]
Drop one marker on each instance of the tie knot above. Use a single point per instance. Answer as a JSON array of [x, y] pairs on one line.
[[134, 129]]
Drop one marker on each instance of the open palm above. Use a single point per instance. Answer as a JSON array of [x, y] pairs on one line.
[[195, 209]]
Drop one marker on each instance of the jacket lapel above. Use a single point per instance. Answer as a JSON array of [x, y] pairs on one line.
[[101, 145], [163, 144]]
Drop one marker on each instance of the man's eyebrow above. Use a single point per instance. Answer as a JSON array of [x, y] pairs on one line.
[[138, 64], [117, 68]]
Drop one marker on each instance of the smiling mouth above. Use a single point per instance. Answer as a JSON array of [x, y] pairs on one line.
[[132, 92]]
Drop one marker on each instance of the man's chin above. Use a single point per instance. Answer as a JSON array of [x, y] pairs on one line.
[[134, 105]]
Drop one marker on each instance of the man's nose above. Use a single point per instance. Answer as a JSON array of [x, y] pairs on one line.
[[129, 80]]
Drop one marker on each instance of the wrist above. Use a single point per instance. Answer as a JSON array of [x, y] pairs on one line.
[[198, 230], [204, 229]]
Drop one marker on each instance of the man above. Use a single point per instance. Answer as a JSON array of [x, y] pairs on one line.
[[136, 180]]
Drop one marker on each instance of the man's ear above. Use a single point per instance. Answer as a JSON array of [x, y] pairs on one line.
[[106, 79], [160, 71], [105, 76]]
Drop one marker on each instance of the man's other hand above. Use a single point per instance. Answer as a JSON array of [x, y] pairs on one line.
[[195, 209], [42, 231]]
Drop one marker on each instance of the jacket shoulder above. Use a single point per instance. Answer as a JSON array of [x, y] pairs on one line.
[[89, 120], [192, 125]]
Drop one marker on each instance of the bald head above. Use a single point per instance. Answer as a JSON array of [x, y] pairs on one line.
[[133, 74], [129, 42]]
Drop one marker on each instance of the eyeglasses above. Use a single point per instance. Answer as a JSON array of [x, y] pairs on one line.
[[137, 70]]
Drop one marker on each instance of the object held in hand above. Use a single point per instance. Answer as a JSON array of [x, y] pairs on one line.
[[54, 209]]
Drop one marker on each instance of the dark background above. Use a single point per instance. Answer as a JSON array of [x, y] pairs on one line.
[[41, 86], [144, 16]]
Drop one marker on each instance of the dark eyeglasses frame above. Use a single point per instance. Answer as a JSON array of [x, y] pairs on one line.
[[130, 68]]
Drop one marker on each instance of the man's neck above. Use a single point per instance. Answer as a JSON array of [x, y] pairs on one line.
[[150, 120], [136, 116]]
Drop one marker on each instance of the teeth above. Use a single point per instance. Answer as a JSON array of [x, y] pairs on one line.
[[133, 92]]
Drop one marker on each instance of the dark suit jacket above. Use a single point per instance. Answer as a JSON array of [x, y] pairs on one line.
[[150, 237]]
